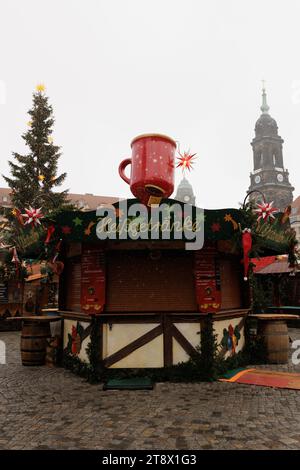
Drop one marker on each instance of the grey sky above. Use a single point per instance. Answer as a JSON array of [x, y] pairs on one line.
[[191, 69]]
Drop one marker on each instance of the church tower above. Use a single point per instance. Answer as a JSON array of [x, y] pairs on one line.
[[185, 192], [269, 175]]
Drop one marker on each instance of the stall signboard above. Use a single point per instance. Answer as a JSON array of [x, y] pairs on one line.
[[92, 280]]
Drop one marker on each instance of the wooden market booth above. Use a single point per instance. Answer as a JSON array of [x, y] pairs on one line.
[[151, 296]]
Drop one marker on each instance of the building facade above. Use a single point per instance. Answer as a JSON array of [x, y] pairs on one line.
[[83, 202]]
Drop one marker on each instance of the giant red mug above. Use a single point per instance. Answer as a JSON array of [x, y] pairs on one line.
[[152, 168]]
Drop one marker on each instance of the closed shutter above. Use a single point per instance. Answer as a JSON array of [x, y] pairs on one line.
[[73, 284], [230, 271], [144, 281]]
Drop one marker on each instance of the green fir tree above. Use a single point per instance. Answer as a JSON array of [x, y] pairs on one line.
[[34, 175]]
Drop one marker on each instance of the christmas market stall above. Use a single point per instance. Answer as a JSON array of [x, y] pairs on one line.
[[277, 283], [152, 294]]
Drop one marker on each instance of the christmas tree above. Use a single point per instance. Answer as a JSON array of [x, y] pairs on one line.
[[34, 175]]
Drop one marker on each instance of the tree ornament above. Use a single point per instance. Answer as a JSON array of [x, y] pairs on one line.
[[41, 178], [265, 211], [40, 87], [50, 139], [17, 213], [247, 245], [29, 123], [33, 216], [186, 160]]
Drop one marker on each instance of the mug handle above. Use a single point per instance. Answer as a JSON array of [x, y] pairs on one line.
[[122, 167]]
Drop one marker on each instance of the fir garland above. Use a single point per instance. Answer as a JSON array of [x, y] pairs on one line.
[[204, 366]]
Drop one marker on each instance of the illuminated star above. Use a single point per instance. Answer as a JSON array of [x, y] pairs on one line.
[[32, 216], [216, 227], [88, 229], [77, 221], [66, 229], [40, 87], [186, 161], [265, 211], [228, 218]]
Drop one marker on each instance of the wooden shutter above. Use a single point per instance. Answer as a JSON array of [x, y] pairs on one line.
[[150, 281], [230, 271], [73, 284]]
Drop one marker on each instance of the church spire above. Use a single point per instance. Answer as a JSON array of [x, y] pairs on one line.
[[264, 107]]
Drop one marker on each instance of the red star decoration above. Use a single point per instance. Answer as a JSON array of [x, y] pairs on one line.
[[216, 227], [265, 211], [66, 229], [186, 160]]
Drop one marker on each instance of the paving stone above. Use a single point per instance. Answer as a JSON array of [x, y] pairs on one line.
[[50, 408]]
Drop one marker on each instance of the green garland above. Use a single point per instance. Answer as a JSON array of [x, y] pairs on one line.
[[205, 365], [94, 370]]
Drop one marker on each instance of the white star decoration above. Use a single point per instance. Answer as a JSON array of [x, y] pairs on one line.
[[265, 211], [32, 216]]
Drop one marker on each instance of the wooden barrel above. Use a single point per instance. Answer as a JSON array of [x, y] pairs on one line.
[[33, 342], [275, 335]]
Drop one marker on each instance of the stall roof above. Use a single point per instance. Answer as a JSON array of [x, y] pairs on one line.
[[279, 265], [219, 224]]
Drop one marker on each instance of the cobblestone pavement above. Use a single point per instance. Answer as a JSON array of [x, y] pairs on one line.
[[44, 408]]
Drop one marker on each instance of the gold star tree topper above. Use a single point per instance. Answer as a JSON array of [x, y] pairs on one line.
[[40, 87]]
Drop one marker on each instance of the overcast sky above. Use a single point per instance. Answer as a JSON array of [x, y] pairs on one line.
[[190, 69]]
